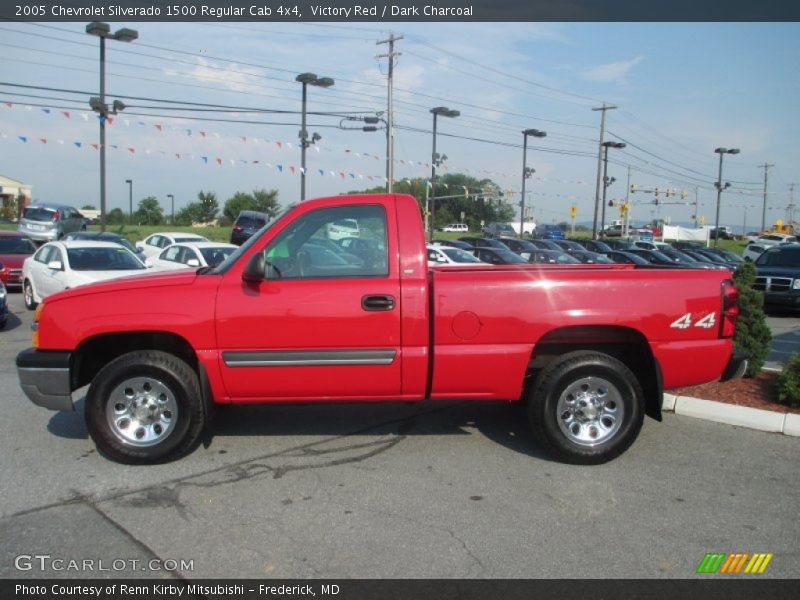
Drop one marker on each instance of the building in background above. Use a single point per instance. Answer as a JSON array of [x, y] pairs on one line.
[[14, 197]]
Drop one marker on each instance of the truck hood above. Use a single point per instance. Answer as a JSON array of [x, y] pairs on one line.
[[128, 283]]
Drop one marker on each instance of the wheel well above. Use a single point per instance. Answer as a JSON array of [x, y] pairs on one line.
[[627, 345], [94, 353]]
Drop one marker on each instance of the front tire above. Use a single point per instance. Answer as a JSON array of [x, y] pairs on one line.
[[145, 407], [28, 297], [586, 408]]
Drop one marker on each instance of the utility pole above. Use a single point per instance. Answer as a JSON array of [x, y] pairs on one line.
[[791, 205], [627, 204], [696, 205], [765, 166], [604, 108], [390, 110]]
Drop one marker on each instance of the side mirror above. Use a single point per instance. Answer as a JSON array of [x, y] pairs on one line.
[[254, 270], [139, 248], [55, 265], [193, 262]]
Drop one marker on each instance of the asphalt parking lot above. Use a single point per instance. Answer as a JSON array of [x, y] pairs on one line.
[[449, 490]]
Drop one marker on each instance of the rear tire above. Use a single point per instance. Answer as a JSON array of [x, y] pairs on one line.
[[586, 408], [145, 407], [27, 295]]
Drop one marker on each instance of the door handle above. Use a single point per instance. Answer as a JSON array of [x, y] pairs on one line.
[[379, 302]]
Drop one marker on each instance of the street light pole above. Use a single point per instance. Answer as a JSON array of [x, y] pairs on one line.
[[526, 173], [172, 209], [718, 184], [130, 200], [437, 160], [103, 31], [606, 181], [307, 79]]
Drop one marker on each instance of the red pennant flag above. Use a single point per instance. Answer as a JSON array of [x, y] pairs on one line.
[[9, 105], [43, 140], [110, 120], [157, 126], [280, 144], [96, 146], [177, 155], [219, 161], [341, 174], [244, 138], [255, 162], [65, 113], [132, 150], [292, 170], [203, 133]]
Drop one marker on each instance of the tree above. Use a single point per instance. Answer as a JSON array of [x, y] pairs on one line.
[[149, 212], [265, 201], [238, 202], [88, 207], [209, 207], [115, 217], [752, 335]]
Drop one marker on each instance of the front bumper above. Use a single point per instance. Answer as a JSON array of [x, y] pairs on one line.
[[782, 298], [45, 379], [737, 365]]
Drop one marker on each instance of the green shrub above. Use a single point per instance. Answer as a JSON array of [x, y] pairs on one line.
[[752, 332], [788, 382]]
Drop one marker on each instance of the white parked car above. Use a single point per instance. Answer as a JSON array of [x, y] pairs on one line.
[[755, 248], [60, 266], [191, 255], [448, 256], [343, 228], [457, 228], [153, 244]]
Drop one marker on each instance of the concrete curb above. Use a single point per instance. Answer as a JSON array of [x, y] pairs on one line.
[[732, 414]]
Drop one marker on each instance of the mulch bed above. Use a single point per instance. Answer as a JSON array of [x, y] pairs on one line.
[[758, 392]]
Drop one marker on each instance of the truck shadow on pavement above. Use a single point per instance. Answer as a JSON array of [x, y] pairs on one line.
[[504, 424]]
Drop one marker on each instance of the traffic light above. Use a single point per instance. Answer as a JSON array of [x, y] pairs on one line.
[[634, 187], [683, 194]]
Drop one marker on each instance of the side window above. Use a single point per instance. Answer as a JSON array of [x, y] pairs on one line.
[[42, 255], [154, 241], [307, 250], [171, 253], [186, 254]]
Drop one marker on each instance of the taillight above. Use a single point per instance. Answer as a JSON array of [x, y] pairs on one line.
[[730, 309], [56, 216], [237, 228]]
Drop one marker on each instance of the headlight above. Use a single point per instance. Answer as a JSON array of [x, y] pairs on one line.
[[2, 292], [796, 284]]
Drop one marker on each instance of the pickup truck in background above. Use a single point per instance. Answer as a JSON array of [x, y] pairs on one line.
[[289, 317]]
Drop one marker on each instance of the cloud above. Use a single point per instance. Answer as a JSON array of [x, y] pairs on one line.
[[615, 71]]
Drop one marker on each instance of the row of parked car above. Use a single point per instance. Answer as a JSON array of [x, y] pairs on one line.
[[507, 250]]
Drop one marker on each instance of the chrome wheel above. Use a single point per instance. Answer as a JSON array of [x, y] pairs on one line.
[[27, 295], [590, 411], [141, 411]]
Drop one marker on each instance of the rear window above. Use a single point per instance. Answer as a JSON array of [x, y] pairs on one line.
[[35, 213], [251, 222], [16, 245]]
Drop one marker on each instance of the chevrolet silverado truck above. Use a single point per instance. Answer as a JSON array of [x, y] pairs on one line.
[[291, 317]]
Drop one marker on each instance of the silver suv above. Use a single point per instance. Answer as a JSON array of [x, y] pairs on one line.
[[48, 222]]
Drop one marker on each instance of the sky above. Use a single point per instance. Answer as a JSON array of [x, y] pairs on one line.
[[681, 90]]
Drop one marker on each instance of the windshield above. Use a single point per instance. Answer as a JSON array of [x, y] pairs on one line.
[[458, 255], [214, 256], [780, 257], [16, 245], [103, 259]]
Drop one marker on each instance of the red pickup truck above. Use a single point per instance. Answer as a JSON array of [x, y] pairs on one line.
[[292, 317]]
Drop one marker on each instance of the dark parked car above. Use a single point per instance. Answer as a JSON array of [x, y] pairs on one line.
[[521, 247], [551, 257], [626, 258], [545, 244], [591, 258], [778, 275], [482, 242], [453, 243], [498, 229], [654, 257], [498, 256], [246, 224], [593, 245], [549, 232], [619, 244], [568, 245]]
